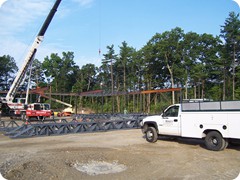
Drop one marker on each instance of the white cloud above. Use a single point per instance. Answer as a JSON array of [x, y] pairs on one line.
[[83, 60], [15, 15], [19, 50], [14, 48], [20, 21], [238, 2], [2, 2]]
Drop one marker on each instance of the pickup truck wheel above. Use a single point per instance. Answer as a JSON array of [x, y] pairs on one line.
[[225, 145], [23, 116], [215, 142], [151, 135]]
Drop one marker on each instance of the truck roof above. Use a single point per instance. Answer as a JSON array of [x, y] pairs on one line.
[[211, 106]]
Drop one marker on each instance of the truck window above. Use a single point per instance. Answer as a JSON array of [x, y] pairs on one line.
[[46, 106], [37, 107], [22, 101], [171, 112]]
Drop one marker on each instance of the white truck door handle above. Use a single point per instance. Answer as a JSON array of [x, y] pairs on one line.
[[175, 120]]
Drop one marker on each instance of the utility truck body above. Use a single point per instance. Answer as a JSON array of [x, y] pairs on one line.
[[217, 122]]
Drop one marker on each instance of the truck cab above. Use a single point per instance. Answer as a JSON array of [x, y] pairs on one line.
[[168, 123], [39, 111]]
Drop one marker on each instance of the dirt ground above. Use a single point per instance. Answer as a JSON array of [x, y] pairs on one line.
[[119, 155]]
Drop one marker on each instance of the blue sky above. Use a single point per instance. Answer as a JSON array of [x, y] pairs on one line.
[[85, 26]]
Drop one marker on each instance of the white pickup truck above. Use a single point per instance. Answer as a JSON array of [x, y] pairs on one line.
[[217, 123]]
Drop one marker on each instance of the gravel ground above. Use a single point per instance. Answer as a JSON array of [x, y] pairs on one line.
[[119, 155]]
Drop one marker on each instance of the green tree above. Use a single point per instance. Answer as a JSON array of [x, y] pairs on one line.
[[125, 57], [206, 66], [169, 48], [209, 58], [190, 53], [123, 65], [8, 69], [60, 71], [38, 74], [86, 78], [110, 56], [231, 33]]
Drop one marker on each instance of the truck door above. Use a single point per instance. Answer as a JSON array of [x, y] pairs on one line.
[[171, 121]]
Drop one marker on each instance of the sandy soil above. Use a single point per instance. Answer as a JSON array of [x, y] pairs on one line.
[[120, 155]]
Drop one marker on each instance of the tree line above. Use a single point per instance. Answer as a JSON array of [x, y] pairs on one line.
[[203, 65]]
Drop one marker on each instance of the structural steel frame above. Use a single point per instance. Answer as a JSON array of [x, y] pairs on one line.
[[96, 93], [14, 130]]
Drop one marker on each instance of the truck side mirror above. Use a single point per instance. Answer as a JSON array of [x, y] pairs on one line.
[[163, 114]]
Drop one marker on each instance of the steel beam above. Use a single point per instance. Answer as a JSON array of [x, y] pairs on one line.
[[85, 124]]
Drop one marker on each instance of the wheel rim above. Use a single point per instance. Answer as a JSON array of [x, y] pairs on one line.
[[149, 135], [214, 141]]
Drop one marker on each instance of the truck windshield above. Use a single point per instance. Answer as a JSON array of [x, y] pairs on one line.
[[171, 112], [37, 107], [46, 106]]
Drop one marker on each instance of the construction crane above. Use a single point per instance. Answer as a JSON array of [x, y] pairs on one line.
[[9, 106]]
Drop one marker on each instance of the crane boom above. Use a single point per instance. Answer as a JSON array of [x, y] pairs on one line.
[[56, 100], [30, 56]]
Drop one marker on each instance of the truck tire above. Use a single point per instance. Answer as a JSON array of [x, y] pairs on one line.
[[41, 118], [215, 142], [23, 116], [151, 135], [225, 145]]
